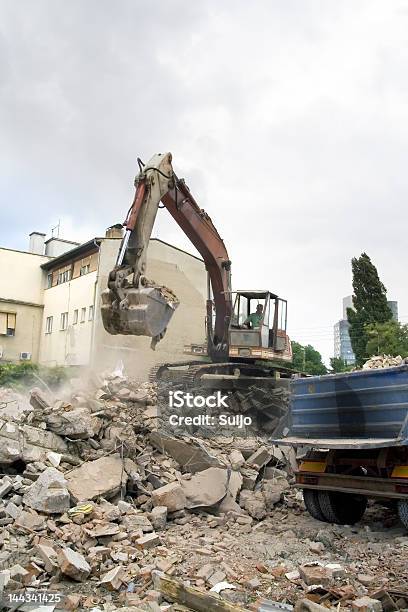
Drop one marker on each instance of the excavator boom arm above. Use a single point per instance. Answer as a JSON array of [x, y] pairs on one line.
[[138, 306]]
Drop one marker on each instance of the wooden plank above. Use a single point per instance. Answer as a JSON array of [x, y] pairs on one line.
[[191, 597]]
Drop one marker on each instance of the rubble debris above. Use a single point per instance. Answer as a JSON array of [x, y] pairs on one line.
[[218, 518], [383, 361]]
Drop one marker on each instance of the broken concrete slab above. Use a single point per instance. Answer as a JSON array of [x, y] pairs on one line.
[[40, 400], [133, 522], [29, 521], [77, 424], [192, 456], [102, 477], [206, 488], [228, 503], [102, 530], [49, 493], [27, 443], [171, 496]]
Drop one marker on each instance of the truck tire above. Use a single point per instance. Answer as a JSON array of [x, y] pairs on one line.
[[311, 499], [342, 508], [403, 511]]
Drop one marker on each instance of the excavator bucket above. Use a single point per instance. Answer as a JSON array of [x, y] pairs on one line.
[[144, 311]]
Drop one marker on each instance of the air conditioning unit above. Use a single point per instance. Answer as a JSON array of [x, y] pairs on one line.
[[25, 356]]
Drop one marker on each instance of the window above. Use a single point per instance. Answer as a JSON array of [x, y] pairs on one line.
[[75, 317], [84, 270], [64, 276], [64, 321], [7, 323], [83, 315], [49, 280], [91, 313], [48, 325]]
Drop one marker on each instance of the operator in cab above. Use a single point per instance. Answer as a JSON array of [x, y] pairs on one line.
[[255, 318]]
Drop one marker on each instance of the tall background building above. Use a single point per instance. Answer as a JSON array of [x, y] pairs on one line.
[[342, 342]]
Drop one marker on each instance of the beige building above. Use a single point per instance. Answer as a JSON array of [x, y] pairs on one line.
[[50, 308]]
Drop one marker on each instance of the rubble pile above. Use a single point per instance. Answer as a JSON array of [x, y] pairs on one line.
[[384, 361], [97, 503]]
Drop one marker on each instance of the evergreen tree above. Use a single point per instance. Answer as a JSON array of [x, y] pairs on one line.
[[370, 304]]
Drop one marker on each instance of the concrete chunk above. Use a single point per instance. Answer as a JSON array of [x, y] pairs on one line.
[[158, 517], [49, 493], [49, 556], [148, 541], [206, 488], [260, 458], [73, 564], [171, 496], [193, 456], [102, 477], [77, 424], [366, 604], [112, 580]]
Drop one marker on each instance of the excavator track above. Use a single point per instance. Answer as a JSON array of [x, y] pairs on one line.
[[265, 397]]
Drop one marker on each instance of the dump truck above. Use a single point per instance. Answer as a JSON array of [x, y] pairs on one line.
[[247, 351], [352, 433]]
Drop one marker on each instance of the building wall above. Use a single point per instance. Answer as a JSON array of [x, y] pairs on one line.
[[21, 293], [21, 277], [73, 345], [186, 276], [27, 332]]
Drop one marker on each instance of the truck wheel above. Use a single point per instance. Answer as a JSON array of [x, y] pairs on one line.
[[311, 499], [342, 508], [403, 511]]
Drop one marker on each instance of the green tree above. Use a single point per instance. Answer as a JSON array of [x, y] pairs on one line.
[[370, 304], [307, 359], [337, 364], [390, 338]]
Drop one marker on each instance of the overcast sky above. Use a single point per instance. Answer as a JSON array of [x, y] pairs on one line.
[[288, 119]]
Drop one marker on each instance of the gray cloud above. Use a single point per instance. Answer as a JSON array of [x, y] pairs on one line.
[[287, 118]]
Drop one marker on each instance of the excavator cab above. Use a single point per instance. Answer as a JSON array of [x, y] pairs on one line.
[[258, 326]]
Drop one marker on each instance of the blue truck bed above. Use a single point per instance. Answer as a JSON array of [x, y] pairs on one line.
[[363, 409]]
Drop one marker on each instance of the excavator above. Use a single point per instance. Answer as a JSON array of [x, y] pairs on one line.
[[246, 355]]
